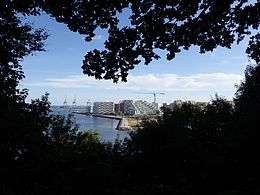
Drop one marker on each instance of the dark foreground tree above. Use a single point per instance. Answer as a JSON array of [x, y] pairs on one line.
[[179, 154], [190, 150], [17, 40], [195, 150], [153, 25], [168, 25], [247, 101], [35, 146]]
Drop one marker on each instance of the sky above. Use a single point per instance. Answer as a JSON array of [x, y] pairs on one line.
[[189, 76]]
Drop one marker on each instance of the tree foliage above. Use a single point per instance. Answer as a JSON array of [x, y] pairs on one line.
[[17, 40], [153, 25], [195, 150], [189, 150], [166, 25]]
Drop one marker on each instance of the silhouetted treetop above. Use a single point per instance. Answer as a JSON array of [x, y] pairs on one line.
[[247, 97], [17, 40], [166, 25], [190, 149]]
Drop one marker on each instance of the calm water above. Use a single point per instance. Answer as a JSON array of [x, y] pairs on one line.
[[105, 127]]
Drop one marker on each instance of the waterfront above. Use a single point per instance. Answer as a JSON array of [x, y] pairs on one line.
[[104, 126]]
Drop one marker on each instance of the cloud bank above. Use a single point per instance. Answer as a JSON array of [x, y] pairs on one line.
[[152, 82]]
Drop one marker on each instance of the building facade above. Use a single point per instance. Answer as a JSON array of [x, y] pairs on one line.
[[128, 107], [103, 108]]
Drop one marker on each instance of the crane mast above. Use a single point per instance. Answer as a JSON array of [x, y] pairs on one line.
[[65, 104], [74, 102], [154, 95]]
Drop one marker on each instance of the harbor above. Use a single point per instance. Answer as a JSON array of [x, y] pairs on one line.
[[124, 123], [129, 114], [106, 127]]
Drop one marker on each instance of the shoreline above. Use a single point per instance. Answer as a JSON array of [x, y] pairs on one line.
[[126, 123], [123, 125]]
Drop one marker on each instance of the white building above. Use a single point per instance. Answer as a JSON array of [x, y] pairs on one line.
[[128, 107], [103, 108]]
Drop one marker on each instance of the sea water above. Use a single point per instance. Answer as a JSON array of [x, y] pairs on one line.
[[105, 127]]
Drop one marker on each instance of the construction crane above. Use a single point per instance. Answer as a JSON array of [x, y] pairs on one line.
[[153, 93], [74, 102], [65, 104]]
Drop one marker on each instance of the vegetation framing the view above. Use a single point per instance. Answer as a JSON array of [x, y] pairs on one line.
[[189, 150]]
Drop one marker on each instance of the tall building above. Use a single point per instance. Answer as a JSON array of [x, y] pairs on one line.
[[103, 108], [128, 107], [119, 108], [89, 107], [145, 108]]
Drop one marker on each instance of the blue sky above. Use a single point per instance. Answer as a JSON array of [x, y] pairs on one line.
[[190, 76]]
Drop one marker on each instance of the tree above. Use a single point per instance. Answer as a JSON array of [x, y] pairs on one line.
[[211, 150], [39, 151], [153, 25], [166, 25], [247, 98], [17, 40], [187, 150], [180, 153], [247, 102]]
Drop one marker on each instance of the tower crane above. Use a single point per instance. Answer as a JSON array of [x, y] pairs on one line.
[[65, 104], [74, 102], [154, 95]]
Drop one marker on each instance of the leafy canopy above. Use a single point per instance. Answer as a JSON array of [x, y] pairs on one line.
[[153, 25]]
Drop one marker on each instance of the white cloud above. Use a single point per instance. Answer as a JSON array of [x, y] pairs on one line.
[[152, 82]]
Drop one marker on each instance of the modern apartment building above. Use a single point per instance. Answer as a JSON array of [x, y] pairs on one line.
[[119, 108], [103, 108], [128, 107]]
